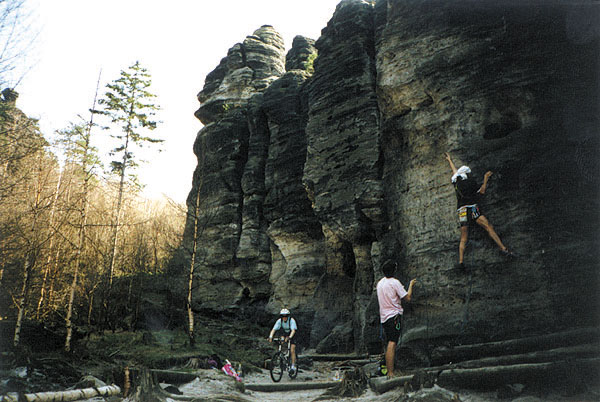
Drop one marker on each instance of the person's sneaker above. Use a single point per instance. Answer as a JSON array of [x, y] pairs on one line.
[[508, 253]]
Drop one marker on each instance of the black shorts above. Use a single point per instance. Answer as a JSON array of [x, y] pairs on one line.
[[292, 339], [392, 328], [468, 214]]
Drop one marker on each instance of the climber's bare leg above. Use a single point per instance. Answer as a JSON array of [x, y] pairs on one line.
[[484, 223]]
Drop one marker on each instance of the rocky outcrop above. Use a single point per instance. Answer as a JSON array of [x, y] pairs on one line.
[[292, 230], [309, 181], [302, 55], [510, 88], [249, 68], [342, 170], [224, 279]]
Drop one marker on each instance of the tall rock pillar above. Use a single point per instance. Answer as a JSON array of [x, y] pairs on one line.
[[342, 171], [228, 273]]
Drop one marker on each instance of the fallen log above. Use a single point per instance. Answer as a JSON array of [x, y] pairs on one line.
[[383, 384], [444, 355], [71, 395], [335, 357], [544, 356], [552, 373], [549, 374], [291, 386], [359, 362]]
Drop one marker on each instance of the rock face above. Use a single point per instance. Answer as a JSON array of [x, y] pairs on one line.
[[343, 167], [249, 68], [308, 181], [507, 88], [217, 200]]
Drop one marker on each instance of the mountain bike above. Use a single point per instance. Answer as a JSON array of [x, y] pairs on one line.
[[281, 361]]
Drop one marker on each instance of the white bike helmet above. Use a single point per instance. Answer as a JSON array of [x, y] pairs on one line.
[[284, 311]]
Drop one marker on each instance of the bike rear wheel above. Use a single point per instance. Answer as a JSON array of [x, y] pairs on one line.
[[277, 366]]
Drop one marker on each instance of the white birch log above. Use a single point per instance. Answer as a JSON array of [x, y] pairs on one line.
[[72, 395]]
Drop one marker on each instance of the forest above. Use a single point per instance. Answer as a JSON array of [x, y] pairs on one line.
[[77, 238], [63, 245]]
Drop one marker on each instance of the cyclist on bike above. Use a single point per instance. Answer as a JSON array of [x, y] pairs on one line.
[[287, 327]]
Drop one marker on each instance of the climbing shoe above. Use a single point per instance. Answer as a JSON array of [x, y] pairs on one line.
[[461, 266], [509, 254]]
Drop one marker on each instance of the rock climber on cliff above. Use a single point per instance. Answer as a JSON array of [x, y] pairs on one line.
[[390, 295], [286, 326], [468, 195]]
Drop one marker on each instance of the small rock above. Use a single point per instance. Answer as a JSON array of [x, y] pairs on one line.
[[173, 390], [434, 394], [510, 391], [20, 372]]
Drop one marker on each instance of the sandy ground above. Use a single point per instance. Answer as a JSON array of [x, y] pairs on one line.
[[214, 385], [221, 385], [323, 372]]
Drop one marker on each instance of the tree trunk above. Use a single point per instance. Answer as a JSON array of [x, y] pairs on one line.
[[72, 395], [145, 387], [82, 222], [192, 264], [22, 301], [50, 246], [68, 321], [53, 274], [29, 259], [90, 308], [190, 312], [291, 386], [78, 257], [115, 235]]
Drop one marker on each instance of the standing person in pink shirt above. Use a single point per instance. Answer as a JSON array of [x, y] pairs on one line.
[[390, 294]]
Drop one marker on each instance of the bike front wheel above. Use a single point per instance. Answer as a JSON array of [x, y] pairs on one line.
[[277, 366]]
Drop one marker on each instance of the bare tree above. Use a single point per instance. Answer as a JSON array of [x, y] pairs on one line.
[[16, 41], [190, 312], [35, 235], [201, 215], [84, 155]]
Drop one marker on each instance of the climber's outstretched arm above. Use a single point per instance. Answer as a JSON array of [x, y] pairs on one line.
[[450, 162], [486, 177]]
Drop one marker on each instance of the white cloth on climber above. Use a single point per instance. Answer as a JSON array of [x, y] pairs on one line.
[[462, 172]]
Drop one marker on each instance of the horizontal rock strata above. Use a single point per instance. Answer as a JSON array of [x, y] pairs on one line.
[[313, 170]]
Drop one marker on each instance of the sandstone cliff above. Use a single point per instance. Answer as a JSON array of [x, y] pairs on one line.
[[309, 180]]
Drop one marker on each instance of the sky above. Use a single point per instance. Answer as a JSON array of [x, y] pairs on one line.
[[179, 42]]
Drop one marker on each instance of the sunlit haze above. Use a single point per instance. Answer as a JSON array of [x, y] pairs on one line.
[[179, 42]]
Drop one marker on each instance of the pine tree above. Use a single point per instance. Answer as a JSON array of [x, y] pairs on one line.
[[128, 104]]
